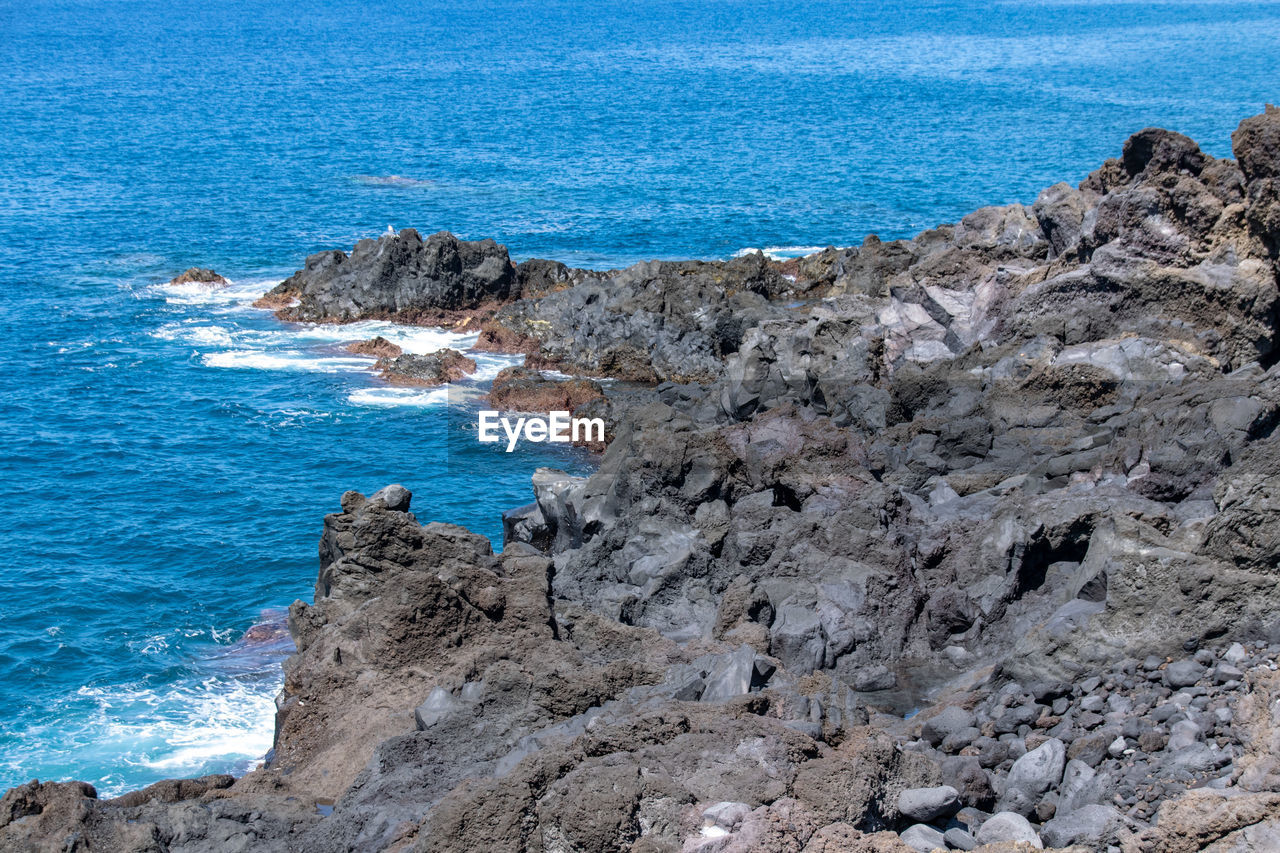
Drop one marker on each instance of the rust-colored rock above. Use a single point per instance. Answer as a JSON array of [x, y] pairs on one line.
[[518, 389], [198, 275], [436, 368], [378, 347]]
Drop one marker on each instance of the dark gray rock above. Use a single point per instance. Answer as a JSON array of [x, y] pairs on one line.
[[991, 752], [1183, 673], [1226, 672], [1095, 826], [399, 276], [1091, 748], [945, 723], [923, 838], [958, 740], [1080, 787], [1032, 775], [928, 804], [1008, 826]]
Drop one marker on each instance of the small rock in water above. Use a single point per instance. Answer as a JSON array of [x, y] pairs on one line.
[[435, 368], [198, 275], [378, 347]]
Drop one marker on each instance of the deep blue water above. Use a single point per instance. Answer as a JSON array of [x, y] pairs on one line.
[[168, 456]]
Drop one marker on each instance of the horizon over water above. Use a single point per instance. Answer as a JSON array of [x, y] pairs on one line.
[[169, 453]]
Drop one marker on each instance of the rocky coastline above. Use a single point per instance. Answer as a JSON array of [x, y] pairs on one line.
[[968, 541]]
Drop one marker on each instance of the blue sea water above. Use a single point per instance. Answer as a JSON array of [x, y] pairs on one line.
[[168, 454]]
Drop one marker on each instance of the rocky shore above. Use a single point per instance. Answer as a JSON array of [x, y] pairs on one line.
[[968, 541]]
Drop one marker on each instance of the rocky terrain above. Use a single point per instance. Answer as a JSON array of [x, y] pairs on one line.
[[968, 541], [433, 368]]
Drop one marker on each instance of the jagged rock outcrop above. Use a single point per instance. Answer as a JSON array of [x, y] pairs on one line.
[[397, 276], [652, 321]]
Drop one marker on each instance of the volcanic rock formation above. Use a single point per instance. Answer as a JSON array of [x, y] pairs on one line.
[[965, 541]]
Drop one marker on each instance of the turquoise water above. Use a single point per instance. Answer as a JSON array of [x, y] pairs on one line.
[[168, 455]]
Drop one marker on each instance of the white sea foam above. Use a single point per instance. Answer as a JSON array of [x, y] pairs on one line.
[[489, 365], [314, 347], [196, 293], [388, 397], [218, 722], [179, 729], [204, 335], [245, 342], [414, 339], [283, 360], [780, 253]]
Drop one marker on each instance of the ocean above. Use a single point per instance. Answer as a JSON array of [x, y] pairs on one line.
[[169, 453]]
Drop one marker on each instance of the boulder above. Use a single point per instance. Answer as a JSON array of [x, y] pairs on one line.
[[923, 838], [948, 721], [1008, 826], [1095, 826], [928, 804], [1032, 775], [1183, 673]]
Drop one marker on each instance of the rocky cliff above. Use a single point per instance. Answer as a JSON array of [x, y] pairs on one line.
[[964, 541]]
